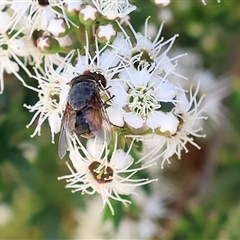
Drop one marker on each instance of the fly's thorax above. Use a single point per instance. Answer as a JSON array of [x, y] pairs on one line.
[[81, 94], [98, 77]]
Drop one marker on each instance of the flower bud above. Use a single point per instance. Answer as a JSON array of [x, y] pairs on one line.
[[48, 45], [106, 33], [72, 9], [88, 14], [58, 27]]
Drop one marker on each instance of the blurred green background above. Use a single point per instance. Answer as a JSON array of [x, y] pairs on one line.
[[35, 205]]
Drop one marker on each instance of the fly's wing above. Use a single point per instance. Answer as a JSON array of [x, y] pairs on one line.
[[67, 126], [99, 124], [63, 143], [106, 131]]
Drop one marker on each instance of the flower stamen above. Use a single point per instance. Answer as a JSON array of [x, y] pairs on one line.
[[142, 101], [101, 173]]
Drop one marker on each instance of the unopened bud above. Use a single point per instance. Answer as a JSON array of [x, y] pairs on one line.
[[58, 27], [48, 45], [72, 9], [88, 14], [106, 33]]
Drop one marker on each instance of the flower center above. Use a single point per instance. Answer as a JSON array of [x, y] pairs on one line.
[[142, 101], [43, 3], [51, 99], [101, 173], [54, 98], [4, 47], [142, 59]]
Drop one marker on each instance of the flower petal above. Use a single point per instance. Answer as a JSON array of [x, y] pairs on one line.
[[166, 92], [120, 95], [166, 122], [54, 122], [139, 78], [121, 160], [115, 116], [133, 120]]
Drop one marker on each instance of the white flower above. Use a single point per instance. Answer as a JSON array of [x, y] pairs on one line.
[[143, 53], [13, 55], [113, 9], [104, 171], [36, 14], [52, 92], [142, 96], [138, 100], [189, 113], [214, 89]]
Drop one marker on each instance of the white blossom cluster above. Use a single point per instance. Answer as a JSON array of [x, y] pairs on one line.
[[56, 41]]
